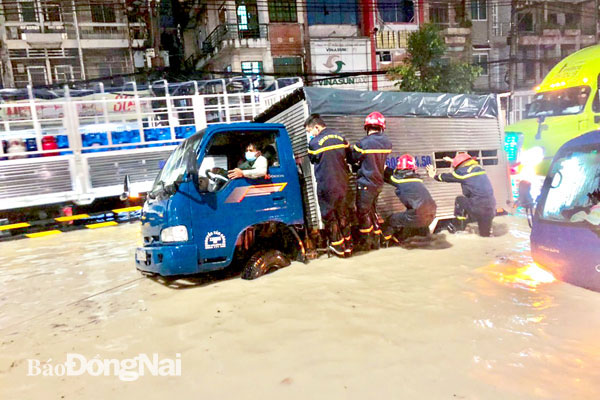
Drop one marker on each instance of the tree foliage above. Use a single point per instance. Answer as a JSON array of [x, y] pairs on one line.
[[425, 69]]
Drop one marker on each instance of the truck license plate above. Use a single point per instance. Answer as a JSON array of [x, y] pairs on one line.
[[140, 255]]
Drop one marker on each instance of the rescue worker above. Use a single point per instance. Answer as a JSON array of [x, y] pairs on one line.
[[420, 206], [369, 156], [478, 203], [328, 150]]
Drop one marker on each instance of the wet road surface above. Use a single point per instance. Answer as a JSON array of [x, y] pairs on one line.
[[460, 317]]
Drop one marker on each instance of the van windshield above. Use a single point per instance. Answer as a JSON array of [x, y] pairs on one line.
[[178, 162], [574, 194], [567, 101]]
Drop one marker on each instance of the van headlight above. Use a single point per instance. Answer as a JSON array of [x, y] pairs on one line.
[[533, 156], [174, 234]]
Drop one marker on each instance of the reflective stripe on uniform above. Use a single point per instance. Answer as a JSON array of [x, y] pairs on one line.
[[367, 230], [406, 180], [457, 176], [327, 148], [461, 218], [373, 151], [338, 242], [377, 232]]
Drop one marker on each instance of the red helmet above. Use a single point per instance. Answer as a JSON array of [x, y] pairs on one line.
[[460, 158], [375, 119], [406, 161]]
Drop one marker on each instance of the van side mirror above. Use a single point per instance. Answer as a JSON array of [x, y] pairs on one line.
[[126, 184], [202, 183]]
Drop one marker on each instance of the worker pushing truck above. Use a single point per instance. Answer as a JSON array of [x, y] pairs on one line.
[[197, 220]]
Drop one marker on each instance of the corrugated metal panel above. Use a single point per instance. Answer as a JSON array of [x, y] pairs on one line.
[[293, 118], [417, 136], [110, 170], [424, 137], [35, 178]]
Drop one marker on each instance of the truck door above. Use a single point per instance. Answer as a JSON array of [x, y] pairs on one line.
[[221, 214]]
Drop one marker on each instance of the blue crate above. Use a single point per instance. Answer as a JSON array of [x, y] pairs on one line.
[[184, 132]]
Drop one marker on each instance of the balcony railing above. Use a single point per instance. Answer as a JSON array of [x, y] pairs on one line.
[[545, 29], [233, 32], [103, 31]]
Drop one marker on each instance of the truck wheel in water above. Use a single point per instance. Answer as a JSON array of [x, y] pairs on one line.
[[263, 262]]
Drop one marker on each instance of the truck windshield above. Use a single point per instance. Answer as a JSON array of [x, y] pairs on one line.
[[574, 195], [567, 101], [178, 162]]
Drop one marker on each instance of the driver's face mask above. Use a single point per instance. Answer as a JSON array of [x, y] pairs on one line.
[[250, 155]]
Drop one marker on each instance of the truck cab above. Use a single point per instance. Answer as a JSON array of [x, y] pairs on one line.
[[197, 220], [566, 105], [565, 236]]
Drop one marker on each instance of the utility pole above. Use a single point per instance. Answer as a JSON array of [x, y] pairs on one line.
[[512, 65], [154, 12], [307, 52], [149, 10]]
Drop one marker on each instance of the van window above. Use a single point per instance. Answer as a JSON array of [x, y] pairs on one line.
[[567, 101], [574, 193], [226, 150]]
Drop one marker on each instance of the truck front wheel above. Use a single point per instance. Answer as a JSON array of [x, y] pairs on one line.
[[263, 262]]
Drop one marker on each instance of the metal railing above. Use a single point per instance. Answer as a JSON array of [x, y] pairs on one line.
[[77, 148], [225, 32]]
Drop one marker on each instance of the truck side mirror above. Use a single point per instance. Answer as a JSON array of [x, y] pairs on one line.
[[202, 184], [125, 195]]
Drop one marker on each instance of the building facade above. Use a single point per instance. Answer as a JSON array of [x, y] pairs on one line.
[[336, 36], [46, 42]]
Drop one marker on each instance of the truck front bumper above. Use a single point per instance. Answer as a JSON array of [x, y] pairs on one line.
[[168, 260]]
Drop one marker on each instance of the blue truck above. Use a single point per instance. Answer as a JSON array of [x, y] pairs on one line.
[[195, 220], [565, 236]]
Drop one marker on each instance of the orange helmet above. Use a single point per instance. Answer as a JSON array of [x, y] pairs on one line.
[[460, 158], [406, 161], [375, 119]]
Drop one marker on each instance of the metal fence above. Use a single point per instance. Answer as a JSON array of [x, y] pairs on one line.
[[80, 147]]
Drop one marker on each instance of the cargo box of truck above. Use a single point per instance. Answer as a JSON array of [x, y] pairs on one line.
[[428, 126]]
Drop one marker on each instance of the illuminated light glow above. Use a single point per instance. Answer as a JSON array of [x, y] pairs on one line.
[[42, 234], [585, 80], [530, 275], [537, 88], [532, 156], [127, 209], [101, 225], [14, 226]]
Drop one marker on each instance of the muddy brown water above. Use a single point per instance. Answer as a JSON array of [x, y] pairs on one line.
[[458, 317]]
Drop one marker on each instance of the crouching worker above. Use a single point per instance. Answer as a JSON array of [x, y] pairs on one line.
[[328, 151], [420, 206], [478, 203]]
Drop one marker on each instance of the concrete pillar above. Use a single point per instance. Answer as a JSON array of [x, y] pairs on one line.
[[8, 79]]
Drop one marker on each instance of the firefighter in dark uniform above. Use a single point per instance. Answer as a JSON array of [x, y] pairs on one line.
[[478, 203], [420, 206], [369, 155], [328, 150]]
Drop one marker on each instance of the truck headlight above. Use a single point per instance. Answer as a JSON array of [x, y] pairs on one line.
[[532, 156], [174, 234]]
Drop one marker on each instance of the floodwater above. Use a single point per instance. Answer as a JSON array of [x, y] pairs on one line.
[[461, 317]]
